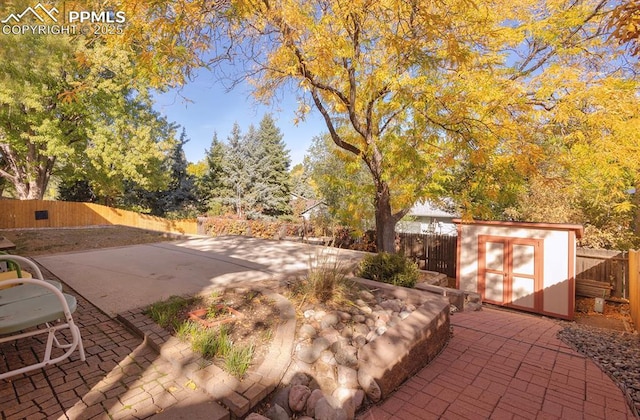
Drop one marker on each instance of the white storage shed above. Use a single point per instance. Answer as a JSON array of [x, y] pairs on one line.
[[526, 266]]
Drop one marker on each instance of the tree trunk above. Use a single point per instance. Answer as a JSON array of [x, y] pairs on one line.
[[36, 191], [21, 189], [30, 174], [385, 220], [31, 190]]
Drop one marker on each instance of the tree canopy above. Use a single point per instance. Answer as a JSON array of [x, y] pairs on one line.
[[68, 106], [343, 182], [625, 23], [424, 91]]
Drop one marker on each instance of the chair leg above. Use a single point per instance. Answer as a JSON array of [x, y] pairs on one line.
[[50, 340], [80, 345], [53, 340]]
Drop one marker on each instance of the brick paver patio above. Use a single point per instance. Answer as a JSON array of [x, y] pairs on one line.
[[505, 365], [122, 378], [498, 364]]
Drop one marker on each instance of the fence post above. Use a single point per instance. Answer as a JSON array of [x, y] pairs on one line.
[[634, 286]]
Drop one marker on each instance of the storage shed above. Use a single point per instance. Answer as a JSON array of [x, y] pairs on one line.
[[526, 266]]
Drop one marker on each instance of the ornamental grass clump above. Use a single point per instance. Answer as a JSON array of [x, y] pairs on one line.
[[211, 343], [326, 282], [166, 313], [394, 269]]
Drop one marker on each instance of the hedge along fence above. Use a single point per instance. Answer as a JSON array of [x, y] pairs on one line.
[[30, 214], [340, 237], [221, 226]]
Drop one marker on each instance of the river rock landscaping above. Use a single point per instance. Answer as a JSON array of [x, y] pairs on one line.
[[617, 353], [348, 357]]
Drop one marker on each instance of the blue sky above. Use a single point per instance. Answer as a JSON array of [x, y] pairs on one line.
[[211, 108]]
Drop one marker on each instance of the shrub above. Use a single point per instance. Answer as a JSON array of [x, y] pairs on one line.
[[257, 228], [389, 268]]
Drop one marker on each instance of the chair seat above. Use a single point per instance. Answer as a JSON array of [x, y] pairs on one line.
[[12, 274], [37, 310], [25, 291]]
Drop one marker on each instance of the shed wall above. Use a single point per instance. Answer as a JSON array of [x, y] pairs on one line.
[[558, 262]]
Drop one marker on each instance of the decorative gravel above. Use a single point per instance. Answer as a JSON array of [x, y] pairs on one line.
[[617, 353]]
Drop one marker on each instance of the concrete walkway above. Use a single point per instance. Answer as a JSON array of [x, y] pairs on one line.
[[126, 278], [498, 364], [505, 365]]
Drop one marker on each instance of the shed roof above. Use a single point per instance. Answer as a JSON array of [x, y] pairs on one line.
[[578, 229]]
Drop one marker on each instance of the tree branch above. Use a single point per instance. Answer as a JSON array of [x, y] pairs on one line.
[[539, 48], [332, 131]]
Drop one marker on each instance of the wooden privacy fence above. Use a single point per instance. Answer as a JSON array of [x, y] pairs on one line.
[[601, 273], [431, 252], [634, 287], [27, 214]]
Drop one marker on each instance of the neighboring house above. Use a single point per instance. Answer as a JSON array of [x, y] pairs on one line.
[[307, 207], [314, 208], [424, 217]]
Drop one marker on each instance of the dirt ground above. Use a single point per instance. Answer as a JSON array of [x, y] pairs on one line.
[[615, 316], [30, 242], [252, 327]]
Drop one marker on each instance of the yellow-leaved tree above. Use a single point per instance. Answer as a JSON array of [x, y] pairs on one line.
[[625, 22], [415, 89]]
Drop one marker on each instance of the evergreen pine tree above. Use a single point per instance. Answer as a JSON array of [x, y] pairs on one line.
[[273, 167], [211, 188], [179, 197], [253, 153], [234, 172], [253, 171]]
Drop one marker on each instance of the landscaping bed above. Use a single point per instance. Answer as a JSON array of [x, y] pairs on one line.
[[231, 328], [617, 353], [353, 341], [355, 347]]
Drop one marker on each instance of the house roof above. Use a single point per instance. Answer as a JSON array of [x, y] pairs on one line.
[[312, 204], [427, 209]]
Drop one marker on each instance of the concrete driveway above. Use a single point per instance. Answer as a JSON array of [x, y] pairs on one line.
[[125, 278]]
